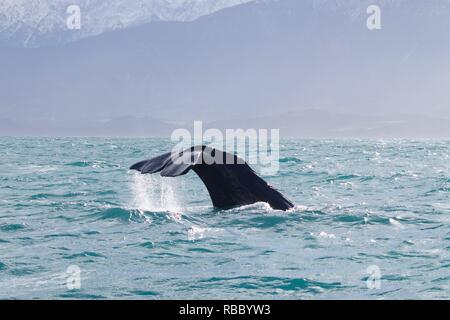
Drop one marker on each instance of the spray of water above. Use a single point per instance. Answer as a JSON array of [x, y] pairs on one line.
[[144, 192], [158, 194], [169, 198], [155, 193]]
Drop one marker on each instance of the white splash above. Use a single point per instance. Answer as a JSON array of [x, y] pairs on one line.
[[395, 223], [299, 208], [325, 235], [196, 233], [144, 192], [155, 193], [168, 197]]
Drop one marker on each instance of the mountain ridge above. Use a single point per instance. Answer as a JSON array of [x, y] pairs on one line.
[[34, 23]]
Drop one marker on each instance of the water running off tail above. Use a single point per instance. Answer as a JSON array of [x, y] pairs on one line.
[[155, 193]]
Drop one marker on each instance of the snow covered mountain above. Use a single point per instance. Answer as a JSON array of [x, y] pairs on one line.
[[34, 23]]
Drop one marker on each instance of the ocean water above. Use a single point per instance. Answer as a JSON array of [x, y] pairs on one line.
[[372, 220]]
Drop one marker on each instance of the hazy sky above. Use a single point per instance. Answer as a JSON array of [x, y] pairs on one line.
[[313, 65]]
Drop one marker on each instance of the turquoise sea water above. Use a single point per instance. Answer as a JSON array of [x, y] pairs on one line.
[[360, 205]]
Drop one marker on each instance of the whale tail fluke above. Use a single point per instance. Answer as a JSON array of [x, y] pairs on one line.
[[229, 179]]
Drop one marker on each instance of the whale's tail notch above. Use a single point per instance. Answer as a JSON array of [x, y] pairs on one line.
[[229, 179]]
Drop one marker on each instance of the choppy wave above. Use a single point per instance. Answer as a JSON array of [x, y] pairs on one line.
[[358, 204], [290, 160]]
